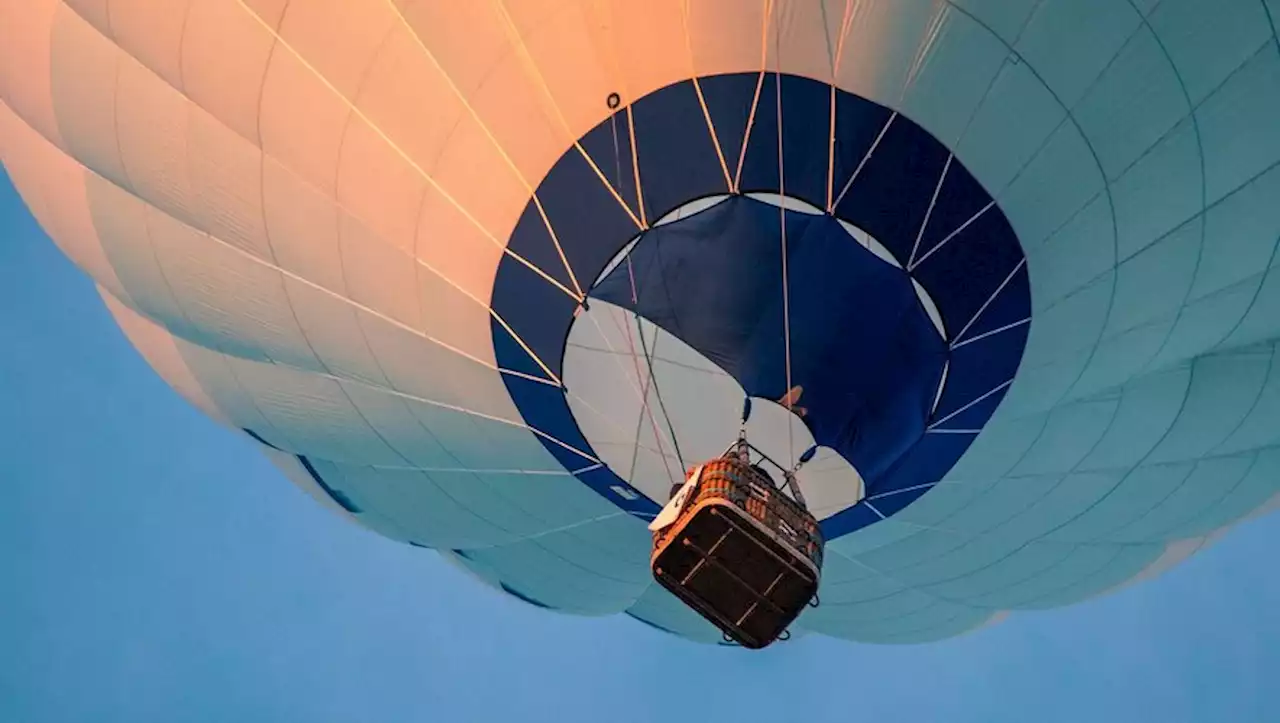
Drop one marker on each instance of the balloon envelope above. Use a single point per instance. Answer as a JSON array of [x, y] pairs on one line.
[[488, 277]]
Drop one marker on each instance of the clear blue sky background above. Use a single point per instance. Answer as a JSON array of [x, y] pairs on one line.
[[154, 567]]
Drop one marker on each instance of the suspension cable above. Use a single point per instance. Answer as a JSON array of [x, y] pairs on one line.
[[657, 391], [648, 359], [786, 293], [613, 103]]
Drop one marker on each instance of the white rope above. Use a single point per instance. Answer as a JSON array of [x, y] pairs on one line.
[[786, 292], [616, 355], [652, 377], [642, 391], [933, 202]]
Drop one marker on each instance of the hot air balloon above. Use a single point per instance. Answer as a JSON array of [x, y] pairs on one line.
[[493, 277]]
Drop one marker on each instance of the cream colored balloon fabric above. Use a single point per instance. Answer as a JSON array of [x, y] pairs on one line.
[[295, 210]]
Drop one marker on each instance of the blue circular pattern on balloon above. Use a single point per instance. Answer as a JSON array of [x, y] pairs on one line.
[[873, 360]]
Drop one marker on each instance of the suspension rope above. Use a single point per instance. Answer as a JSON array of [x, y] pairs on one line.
[[635, 301], [617, 152], [614, 101], [657, 391], [645, 411], [786, 292]]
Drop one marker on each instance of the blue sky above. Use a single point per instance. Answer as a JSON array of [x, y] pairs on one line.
[[154, 567]]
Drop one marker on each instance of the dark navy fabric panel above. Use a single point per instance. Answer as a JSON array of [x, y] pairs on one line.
[[539, 249], [1010, 306], [890, 197], [728, 99], [858, 123], [804, 139], [678, 160], [979, 367], [862, 348], [524, 300], [974, 417], [511, 356], [582, 211], [964, 273], [590, 223], [806, 135], [760, 164], [960, 198], [609, 145], [673, 262]]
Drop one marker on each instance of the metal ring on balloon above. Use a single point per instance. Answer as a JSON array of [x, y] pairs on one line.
[[897, 397]]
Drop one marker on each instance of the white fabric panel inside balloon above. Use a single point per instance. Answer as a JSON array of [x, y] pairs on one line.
[[862, 283]]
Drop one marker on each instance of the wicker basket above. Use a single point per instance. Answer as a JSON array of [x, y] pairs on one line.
[[740, 552], [749, 488]]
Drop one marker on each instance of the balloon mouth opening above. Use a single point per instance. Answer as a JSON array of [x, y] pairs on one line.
[[658, 312], [895, 277]]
